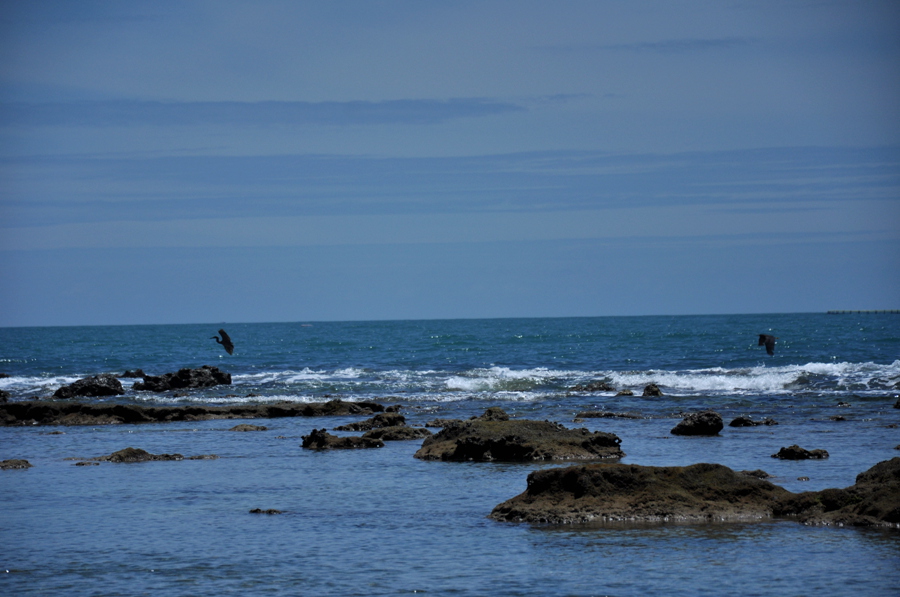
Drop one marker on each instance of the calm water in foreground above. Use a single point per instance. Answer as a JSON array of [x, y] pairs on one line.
[[380, 522]]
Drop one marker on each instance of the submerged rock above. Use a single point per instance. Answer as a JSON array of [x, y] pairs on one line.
[[624, 393], [703, 423], [795, 452], [203, 377], [269, 511], [594, 386], [97, 385], [137, 373], [137, 455], [397, 433], [600, 414], [4, 396], [873, 501], [623, 492], [14, 464], [246, 427], [517, 441], [379, 420], [322, 440], [745, 421]]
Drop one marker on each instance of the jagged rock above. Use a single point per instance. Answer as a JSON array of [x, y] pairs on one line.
[[397, 433], [745, 421], [517, 441], [203, 377], [494, 413], [246, 427], [442, 422], [758, 474], [624, 393], [14, 463], [379, 420], [594, 386], [98, 385], [703, 423], [269, 511], [599, 414], [873, 501], [652, 390], [137, 373], [322, 440], [42, 412], [623, 492], [795, 452], [137, 455]]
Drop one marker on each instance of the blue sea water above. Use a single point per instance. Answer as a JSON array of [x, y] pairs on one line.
[[380, 522]]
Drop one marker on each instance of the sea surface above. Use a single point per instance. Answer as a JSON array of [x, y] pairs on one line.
[[381, 522]]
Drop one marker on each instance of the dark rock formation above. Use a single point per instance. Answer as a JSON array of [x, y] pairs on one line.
[[621, 492], [517, 441], [600, 414], [322, 440], [795, 452], [41, 412], [703, 423], [137, 373], [397, 433], [624, 393], [744, 421], [652, 390], [204, 377], [873, 501], [269, 511], [594, 386], [442, 422], [379, 420], [137, 455], [246, 427], [4, 396], [897, 404], [758, 474], [494, 413], [97, 385], [13, 464]]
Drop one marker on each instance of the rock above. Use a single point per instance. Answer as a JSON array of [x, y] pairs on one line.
[[97, 385], [13, 464], [269, 511], [494, 413], [517, 441], [652, 390], [744, 421], [4, 396], [598, 414], [803, 478], [795, 452], [203, 457], [397, 433], [837, 418], [594, 386], [379, 420], [246, 427], [442, 422], [703, 423], [87, 463], [757, 474], [625, 393], [843, 404], [629, 492], [873, 501], [137, 455], [897, 404], [4, 375], [44, 412], [204, 377], [322, 440], [137, 373]]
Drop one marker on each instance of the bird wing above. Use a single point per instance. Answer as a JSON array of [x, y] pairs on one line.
[[770, 345], [226, 342]]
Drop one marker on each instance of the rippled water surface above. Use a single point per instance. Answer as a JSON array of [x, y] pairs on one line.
[[380, 522]]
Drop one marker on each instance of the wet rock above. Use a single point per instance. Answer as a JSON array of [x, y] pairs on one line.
[[322, 440], [843, 404], [600, 414], [379, 420], [703, 423], [803, 478], [494, 413], [43, 412], [652, 390], [137, 455], [594, 386], [246, 427], [4, 396], [795, 452], [443, 422], [87, 463], [270, 511], [837, 418], [14, 464], [873, 501], [757, 474], [897, 404], [625, 393], [97, 385], [397, 433], [517, 441], [745, 421], [622, 492], [203, 457], [137, 373], [203, 377]]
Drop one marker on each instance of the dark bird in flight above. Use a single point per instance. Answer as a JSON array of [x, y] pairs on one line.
[[229, 347], [766, 339]]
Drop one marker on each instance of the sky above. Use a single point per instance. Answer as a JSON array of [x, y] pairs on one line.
[[229, 161]]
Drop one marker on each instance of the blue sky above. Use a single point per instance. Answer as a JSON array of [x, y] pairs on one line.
[[173, 162]]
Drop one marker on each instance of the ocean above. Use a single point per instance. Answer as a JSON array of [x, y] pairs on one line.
[[381, 522]]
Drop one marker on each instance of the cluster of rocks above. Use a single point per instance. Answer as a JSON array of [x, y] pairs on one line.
[[650, 390], [383, 427], [795, 452], [204, 377], [140, 455]]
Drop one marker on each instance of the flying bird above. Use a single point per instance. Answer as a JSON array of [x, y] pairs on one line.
[[768, 341], [225, 342]]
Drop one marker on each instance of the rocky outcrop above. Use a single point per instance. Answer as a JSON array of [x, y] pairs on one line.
[[137, 373], [137, 455], [625, 393], [14, 464], [602, 414], [397, 433], [4, 396], [379, 420], [652, 390], [246, 427], [623, 492], [270, 511], [203, 377], [43, 412], [594, 386], [320, 439], [745, 421], [703, 423], [442, 422], [795, 452], [873, 501], [97, 385], [517, 441]]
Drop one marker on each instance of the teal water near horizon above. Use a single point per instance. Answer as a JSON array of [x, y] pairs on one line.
[[380, 522]]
